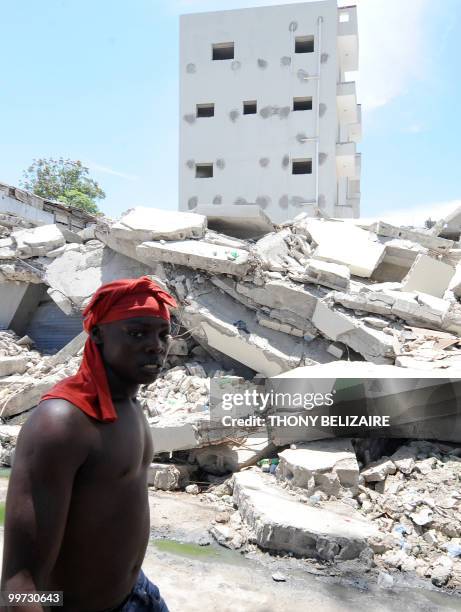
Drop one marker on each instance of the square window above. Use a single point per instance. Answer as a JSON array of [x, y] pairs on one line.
[[304, 44], [250, 107], [203, 170], [344, 17], [301, 104], [223, 51], [205, 110], [301, 166]]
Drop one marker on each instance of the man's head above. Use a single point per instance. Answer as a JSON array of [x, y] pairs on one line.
[[129, 321], [135, 349]]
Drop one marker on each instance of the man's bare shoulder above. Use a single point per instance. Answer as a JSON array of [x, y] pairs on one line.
[[57, 422]]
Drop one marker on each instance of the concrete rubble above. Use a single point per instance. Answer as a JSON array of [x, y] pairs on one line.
[[260, 302]]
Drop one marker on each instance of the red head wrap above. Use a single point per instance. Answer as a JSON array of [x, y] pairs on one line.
[[116, 301]]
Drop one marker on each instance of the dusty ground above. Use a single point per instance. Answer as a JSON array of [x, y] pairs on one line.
[[225, 581]]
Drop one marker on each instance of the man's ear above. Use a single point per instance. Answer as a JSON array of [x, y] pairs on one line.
[[95, 334]]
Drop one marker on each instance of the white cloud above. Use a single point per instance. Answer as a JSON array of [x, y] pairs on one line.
[[417, 215], [393, 47], [111, 171]]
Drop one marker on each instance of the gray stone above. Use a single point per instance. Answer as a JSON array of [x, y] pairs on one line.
[[196, 254], [145, 224], [168, 476], [309, 464], [282, 524], [378, 470], [328, 274], [232, 329], [37, 241], [12, 365]]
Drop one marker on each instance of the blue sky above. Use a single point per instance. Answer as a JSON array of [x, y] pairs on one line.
[[98, 81]]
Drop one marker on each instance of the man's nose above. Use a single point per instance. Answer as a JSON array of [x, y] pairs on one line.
[[155, 345]]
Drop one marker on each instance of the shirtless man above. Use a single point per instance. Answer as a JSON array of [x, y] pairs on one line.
[[77, 511]]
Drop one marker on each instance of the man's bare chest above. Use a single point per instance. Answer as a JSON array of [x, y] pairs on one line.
[[122, 449]]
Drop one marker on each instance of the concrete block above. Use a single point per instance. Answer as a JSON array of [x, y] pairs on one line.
[[282, 295], [328, 274], [337, 349], [232, 329], [77, 275], [282, 524], [7, 248], [168, 476], [169, 438], [221, 459], [379, 470], [239, 221], [63, 249], [12, 365], [373, 344], [88, 233], [425, 239], [28, 397], [326, 465], [37, 241], [196, 254], [144, 224], [70, 236], [428, 275], [344, 244], [272, 251]]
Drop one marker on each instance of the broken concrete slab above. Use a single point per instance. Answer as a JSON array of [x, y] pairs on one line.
[[428, 275], [144, 224], [379, 470], [325, 465], [196, 254], [77, 275], [283, 295], [28, 397], [233, 329], [344, 244], [12, 365], [168, 476], [282, 524], [334, 276], [226, 241], [221, 459], [170, 438], [240, 221], [414, 308], [425, 239], [373, 344], [37, 241], [272, 251]]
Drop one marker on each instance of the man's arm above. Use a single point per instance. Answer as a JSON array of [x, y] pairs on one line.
[[51, 447]]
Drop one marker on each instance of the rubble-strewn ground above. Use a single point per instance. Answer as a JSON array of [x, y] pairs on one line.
[[193, 578], [311, 292]]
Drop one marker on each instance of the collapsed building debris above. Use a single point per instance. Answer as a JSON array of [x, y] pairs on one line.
[[312, 292]]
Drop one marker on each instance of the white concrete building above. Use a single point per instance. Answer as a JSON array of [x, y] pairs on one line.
[[267, 115]]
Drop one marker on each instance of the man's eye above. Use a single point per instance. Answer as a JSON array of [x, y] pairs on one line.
[[136, 334]]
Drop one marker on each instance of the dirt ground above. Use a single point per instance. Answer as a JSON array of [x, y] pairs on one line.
[[225, 581]]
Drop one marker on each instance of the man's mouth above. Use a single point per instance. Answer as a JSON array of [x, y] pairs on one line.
[[151, 367]]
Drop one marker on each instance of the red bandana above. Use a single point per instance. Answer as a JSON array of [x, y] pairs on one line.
[[116, 301]]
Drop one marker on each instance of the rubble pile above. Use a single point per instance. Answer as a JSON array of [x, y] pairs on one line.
[[414, 498], [310, 292], [397, 515]]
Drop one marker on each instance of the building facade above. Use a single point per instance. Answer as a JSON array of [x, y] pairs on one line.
[[267, 115]]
